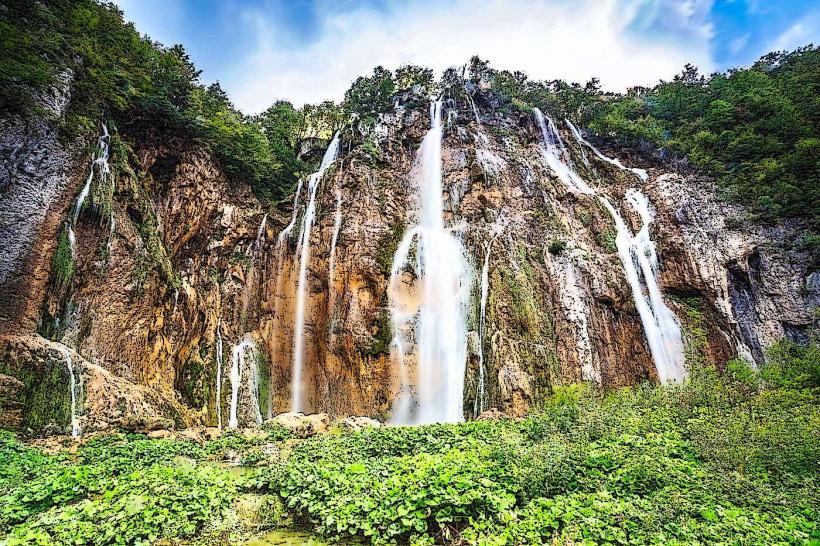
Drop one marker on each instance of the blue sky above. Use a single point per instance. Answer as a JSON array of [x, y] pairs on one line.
[[310, 50]]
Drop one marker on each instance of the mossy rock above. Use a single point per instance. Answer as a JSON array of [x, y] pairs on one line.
[[46, 396]]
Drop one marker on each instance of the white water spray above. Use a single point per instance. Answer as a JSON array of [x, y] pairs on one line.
[[260, 232], [99, 160], [640, 261], [480, 402], [640, 173], [433, 321], [73, 386], [637, 254], [471, 100], [241, 364], [304, 258], [219, 373], [285, 233], [556, 156]]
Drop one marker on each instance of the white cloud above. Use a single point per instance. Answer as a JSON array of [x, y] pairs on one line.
[[547, 39], [799, 34]]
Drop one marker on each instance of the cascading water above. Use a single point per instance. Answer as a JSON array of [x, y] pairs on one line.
[[260, 232], [640, 173], [556, 156], [433, 321], [640, 261], [241, 364], [303, 249], [99, 159], [73, 386], [219, 373], [637, 253], [471, 100], [480, 402]]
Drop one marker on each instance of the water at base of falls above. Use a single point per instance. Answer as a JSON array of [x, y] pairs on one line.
[[244, 361], [428, 314], [297, 399], [636, 252]]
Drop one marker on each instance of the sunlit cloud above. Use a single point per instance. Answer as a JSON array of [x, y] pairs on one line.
[[311, 50], [570, 40], [799, 34]]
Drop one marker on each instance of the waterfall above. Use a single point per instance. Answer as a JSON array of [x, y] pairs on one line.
[[260, 232], [556, 155], [485, 288], [73, 385], [475, 110], [640, 261], [304, 258], [434, 320], [337, 224], [99, 159], [637, 253], [219, 373], [239, 362], [640, 173]]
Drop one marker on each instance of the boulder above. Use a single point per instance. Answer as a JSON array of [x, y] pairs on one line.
[[303, 425], [492, 414]]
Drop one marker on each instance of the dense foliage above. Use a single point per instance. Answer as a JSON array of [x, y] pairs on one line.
[[721, 459], [718, 460]]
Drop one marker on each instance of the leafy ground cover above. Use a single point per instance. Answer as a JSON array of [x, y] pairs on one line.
[[721, 459]]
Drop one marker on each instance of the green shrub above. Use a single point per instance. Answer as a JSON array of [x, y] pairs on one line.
[[62, 262]]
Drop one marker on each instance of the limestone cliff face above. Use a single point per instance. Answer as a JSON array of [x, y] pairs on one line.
[[191, 266]]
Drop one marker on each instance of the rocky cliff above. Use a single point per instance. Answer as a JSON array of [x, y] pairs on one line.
[[177, 302]]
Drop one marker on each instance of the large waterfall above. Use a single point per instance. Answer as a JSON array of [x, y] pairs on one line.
[[637, 252], [429, 290], [297, 402]]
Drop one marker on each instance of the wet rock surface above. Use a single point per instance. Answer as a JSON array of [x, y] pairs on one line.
[[155, 306]]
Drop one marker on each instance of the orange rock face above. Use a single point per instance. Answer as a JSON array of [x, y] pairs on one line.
[[189, 269]]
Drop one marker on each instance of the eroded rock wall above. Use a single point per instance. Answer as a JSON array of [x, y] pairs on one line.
[[190, 264]]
